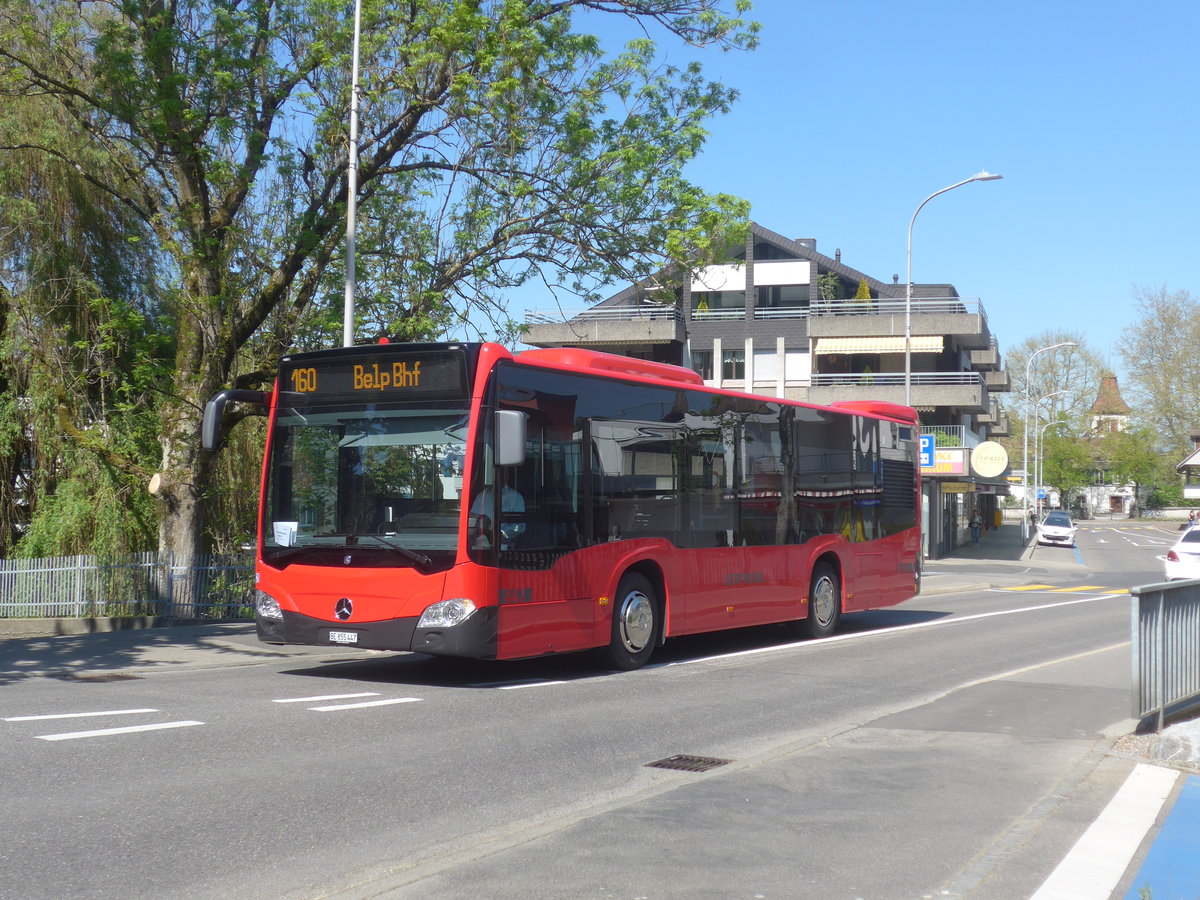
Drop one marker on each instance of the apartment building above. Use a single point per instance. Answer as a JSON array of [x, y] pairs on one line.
[[782, 320]]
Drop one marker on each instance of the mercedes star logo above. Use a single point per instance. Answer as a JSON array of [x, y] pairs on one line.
[[343, 609]]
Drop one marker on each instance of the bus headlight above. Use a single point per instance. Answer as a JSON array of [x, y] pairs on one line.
[[267, 607], [446, 614]]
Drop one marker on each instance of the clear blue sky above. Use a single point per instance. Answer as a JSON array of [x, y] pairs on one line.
[[851, 113]]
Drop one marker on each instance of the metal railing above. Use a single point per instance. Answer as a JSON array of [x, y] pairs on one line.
[[1166, 649], [145, 584], [940, 306], [954, 435], [781, 312], [719, 314], [897, 378], [604, 314]]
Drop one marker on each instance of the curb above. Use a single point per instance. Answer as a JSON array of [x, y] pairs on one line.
[[67, 626]]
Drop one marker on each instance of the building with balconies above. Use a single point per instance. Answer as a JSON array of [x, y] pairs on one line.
[[783, 320]]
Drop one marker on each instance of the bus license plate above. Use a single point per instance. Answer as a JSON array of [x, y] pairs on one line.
[[343, 637]]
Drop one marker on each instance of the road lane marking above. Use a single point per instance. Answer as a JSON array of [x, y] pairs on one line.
[[1032, 587], [882, 632], [1082, 587], [517, 687], [82, 715], [365, 705], [325, 697], [1097, 863], [105, 732]]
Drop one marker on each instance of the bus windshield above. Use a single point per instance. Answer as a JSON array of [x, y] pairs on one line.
[[373, 486]]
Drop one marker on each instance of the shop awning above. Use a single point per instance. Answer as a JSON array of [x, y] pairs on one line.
[[920, 344]]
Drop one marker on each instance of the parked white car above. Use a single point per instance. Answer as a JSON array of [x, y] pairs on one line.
[[1056, 528], [1183, 560]]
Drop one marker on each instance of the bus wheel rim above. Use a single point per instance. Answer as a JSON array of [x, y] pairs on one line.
[[823, 602], [637, 621]]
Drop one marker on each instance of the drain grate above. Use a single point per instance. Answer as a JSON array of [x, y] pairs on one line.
[[104, 676], [684, 763]]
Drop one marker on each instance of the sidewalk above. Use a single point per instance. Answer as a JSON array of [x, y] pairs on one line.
[[110, 655]]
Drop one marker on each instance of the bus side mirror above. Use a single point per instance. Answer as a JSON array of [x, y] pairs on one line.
[[510, 437], [210, 427]]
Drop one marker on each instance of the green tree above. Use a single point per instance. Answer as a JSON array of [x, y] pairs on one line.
[[864, 290], [829, 286], [1161, 352], [1130, 457], [81, 348], [498, 145], [1075, 370], [1066, 462]]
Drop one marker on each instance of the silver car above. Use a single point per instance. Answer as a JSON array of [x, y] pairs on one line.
[[1056, 528]]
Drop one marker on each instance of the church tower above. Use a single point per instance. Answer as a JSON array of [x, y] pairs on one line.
[[1110, 412]]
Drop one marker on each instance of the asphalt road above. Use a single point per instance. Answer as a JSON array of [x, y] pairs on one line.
[[954, 746]]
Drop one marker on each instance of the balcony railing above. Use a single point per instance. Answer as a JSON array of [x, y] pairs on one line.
[[891, 379], [781, 312], [952, 435], [719, 313], [940, 306], [603, 314]]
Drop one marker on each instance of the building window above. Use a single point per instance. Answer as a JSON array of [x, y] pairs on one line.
[[765, 365], [733, 365], [783, 296], [702, 363], [707, 301]]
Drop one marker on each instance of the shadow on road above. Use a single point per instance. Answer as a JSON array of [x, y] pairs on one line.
[[434, 671]]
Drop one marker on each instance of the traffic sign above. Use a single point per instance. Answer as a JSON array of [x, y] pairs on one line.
[[926, 450]]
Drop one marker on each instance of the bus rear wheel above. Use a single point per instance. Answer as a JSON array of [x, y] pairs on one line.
[[824, 602], [635, 623]]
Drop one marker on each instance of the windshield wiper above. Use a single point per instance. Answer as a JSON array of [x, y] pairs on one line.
[[413, 555], [353, 539]]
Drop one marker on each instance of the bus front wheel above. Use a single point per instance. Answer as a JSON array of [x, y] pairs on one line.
[[635, 623], [824, 602]]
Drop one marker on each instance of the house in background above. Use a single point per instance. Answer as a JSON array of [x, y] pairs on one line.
[[782, 320], [1110, 414]]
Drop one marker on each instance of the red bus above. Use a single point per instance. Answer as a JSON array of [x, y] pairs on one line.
[[460, 499]]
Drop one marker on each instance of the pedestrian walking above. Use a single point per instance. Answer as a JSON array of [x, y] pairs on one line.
[[976, 524]]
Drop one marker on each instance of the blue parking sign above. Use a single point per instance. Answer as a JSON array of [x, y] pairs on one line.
[[926, 451]]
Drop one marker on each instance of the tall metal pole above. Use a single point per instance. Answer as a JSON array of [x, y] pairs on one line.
[[982, 176], [352, 188], [1038, 464], [1025, 437], [1037, 439]]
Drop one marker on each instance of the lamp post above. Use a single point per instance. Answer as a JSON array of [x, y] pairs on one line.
[[352, 188], [1025, 437], [982, 176], [1038, 464], [1037, 414]]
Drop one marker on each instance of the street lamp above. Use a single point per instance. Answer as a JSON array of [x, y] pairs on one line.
[[1025, 437], [352, 188], [982, 176], [1038, 463], [1037, 414]]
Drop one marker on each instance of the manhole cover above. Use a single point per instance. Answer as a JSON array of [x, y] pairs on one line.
[[685, 763]]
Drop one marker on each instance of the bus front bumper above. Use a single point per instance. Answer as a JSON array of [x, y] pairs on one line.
[[474, 637]]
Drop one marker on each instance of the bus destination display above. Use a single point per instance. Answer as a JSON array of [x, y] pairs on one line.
[[426, 375]]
